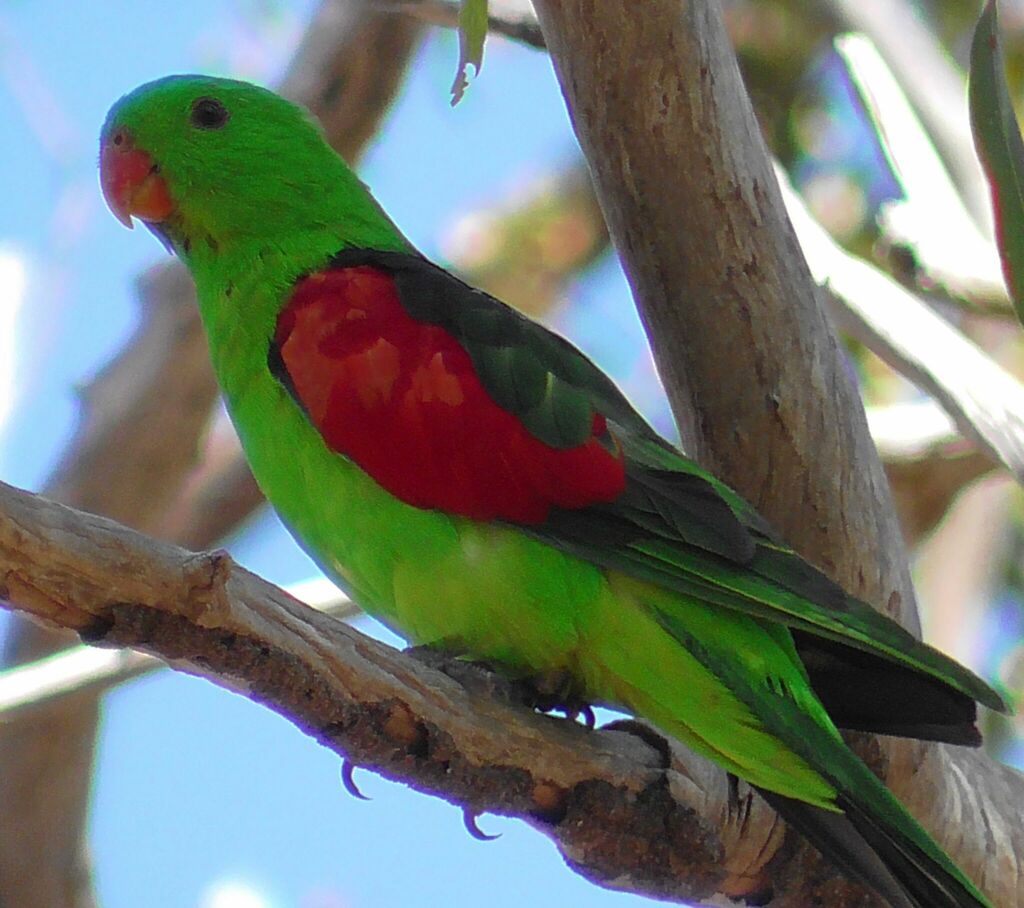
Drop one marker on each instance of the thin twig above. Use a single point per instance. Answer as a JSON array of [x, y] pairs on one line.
[[513, 19]]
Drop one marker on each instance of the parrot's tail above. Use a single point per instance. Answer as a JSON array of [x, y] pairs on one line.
[[878, 843], [732, 687]]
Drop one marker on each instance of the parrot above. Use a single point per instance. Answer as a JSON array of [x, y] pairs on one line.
[[481, 487]]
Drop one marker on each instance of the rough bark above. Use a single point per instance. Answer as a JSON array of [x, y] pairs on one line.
[[757, 380], [83, 668]]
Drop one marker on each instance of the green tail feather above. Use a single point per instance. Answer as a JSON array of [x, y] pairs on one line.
[[875, 839]]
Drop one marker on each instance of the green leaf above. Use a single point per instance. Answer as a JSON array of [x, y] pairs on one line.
[[472, 31], [1000, 148]]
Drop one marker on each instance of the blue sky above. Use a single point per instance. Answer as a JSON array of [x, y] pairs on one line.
[[201, 797]]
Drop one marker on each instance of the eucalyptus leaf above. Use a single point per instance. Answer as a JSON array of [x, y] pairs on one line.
[[1000, 148], [472, 31]]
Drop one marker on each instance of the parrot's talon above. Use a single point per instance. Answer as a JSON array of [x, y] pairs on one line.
[[347, 769], [469, 818]]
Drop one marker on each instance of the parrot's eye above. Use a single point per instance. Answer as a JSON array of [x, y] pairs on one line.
[[208, 113]]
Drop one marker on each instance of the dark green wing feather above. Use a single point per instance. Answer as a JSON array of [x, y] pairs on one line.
[[675, 524]]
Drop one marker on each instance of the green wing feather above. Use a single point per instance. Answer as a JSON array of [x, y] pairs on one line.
[[675, 524]]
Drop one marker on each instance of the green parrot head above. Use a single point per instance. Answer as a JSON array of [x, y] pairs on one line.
[[214, 163]]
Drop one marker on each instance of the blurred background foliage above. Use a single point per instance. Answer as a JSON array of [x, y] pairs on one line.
[[192, 778]]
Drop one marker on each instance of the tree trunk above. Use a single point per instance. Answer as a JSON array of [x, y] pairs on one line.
[[758, 382]]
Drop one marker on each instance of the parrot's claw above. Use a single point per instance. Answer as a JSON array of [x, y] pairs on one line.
[[573, 711], [347, 769], [469, 818], [739, 803]]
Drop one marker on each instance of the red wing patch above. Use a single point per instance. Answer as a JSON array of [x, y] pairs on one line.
[[402, 400]]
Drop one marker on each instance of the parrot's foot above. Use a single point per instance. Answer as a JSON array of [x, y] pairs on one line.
[[478, 677], [555, 692], [550, 692]]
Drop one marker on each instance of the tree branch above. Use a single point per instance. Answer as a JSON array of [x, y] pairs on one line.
[[751, 365], [928, 464], [623, 813], [513, 19], [605, 797], [930, 223]]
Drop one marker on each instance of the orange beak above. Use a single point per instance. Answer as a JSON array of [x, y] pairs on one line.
[[131, 182]]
